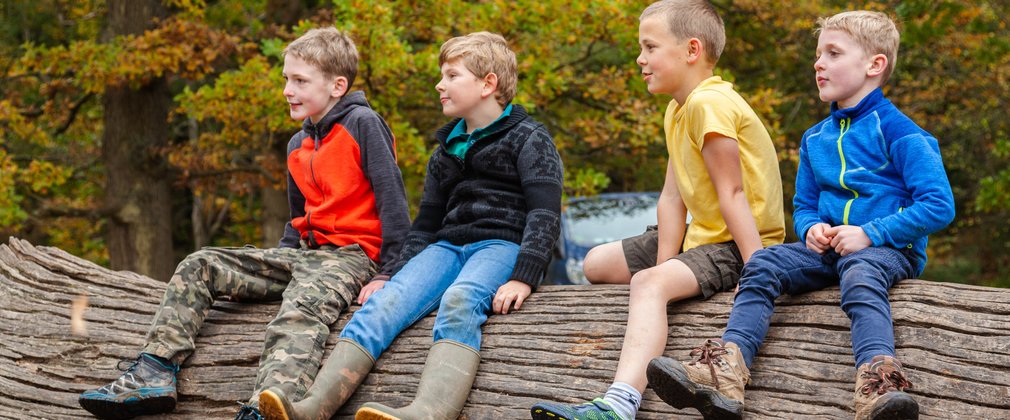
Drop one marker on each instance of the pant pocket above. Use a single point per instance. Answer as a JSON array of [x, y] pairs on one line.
[[326, 307]]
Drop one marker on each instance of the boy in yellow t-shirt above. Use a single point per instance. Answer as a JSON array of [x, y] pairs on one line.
[[722, 170]]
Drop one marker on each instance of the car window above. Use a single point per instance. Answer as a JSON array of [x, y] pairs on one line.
[[598, 220]]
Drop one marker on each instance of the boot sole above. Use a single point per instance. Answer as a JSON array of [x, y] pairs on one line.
[[671, 383], [127, 409], [368, 413], [539, 413], [271, 407], [899, 407]]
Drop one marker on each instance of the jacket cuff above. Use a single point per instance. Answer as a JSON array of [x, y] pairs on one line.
[[871, 230]]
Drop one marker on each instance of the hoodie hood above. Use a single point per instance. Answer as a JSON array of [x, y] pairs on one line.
[[350, 101]]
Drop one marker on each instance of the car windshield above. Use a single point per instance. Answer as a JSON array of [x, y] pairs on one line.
[[598, 220]]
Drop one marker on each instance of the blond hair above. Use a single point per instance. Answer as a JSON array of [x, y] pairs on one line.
[[329, 50], [484, 53], [692, 19], [874, 32]]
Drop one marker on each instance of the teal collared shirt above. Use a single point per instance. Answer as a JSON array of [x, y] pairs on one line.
[[459, 141]]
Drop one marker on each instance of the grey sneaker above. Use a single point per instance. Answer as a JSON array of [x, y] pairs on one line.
[[147, 387]]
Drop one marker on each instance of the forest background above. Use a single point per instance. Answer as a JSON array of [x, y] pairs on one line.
[[133, 132]]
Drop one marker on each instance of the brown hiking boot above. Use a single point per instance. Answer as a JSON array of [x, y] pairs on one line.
[[880, 387], [713, 383]]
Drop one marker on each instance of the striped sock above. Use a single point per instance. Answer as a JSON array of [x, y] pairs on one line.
[[624, 398]]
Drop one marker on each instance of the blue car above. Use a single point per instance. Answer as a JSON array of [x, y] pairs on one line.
[[590, 221]]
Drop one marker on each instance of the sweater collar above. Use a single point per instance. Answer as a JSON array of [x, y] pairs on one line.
[[320, 130], [517, 114], [460, 129], [868, 104]]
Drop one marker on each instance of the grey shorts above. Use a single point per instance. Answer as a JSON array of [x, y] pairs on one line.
[[716, 266]]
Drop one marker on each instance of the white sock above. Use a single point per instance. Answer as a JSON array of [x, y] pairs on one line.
[[625, 399]]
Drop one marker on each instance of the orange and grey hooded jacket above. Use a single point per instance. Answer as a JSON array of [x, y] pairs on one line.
[[343, 183]]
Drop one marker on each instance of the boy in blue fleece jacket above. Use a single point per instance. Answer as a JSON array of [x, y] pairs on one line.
[[870, 187]]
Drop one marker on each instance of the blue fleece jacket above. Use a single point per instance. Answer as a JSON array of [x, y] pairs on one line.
[[871, 166]]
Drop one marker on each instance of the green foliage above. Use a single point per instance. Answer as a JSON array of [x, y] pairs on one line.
[[11, 212], [577, 75]]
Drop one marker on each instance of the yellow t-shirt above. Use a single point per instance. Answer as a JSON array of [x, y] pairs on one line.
[[714, 107]]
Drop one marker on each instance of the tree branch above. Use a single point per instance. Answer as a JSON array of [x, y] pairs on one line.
[[74, 109], [585, 57]]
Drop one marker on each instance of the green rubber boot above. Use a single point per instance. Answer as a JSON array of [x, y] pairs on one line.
[[339, 377], [445, 384]]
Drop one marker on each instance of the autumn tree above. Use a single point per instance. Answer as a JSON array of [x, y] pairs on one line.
[[226, 126]]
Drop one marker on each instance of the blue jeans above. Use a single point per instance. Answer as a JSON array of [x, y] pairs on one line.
[[864, 278], [460, 281]]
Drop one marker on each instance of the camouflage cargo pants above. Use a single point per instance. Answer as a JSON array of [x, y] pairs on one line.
[[315, 286]]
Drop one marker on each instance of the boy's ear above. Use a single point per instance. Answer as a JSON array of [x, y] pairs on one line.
[[695, 50], [339, 87], [490, 85], [878, 63]]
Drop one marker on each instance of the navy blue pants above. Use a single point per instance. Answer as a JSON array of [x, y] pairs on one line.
[[864, 278]]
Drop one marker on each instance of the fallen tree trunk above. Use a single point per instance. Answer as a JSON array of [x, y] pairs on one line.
[[563, 345]]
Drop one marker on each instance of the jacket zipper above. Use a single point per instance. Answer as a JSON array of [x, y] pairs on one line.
[[312, 172], [844, 128]]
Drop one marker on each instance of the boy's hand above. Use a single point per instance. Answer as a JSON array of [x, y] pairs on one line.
[[372, 287], [817, 240], [513, 291], [846, 239]]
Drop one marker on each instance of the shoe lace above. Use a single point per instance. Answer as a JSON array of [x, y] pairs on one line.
[[884, 379], [124, 379], [128, 377], [710, 354], [248, 412], [133, 365]]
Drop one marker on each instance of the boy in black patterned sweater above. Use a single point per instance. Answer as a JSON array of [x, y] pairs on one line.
[[481, 241]]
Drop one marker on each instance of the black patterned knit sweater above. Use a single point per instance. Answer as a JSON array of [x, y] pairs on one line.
[[507, 187]]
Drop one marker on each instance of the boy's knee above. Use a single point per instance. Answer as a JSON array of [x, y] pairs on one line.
[[201, 258], [762, 273], [591, 264], [764, 257], [647, 283], [603, 265], [458, 301]]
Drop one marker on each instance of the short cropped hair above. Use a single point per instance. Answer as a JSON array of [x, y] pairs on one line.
[[692, 19], [484, 53], [874, 32], [329, 50]]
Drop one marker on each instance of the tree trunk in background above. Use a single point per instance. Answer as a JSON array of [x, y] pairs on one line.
[[288, 12], [137, 187], [276, 214]]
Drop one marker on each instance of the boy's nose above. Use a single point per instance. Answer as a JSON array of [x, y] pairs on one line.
[[640, 60]]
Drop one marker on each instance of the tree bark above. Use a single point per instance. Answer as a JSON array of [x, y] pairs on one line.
[[139, 233], [276, 213], [562, 345]]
